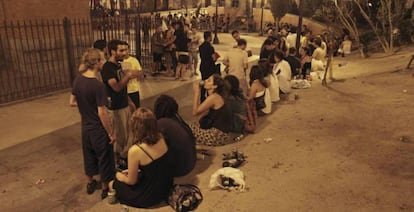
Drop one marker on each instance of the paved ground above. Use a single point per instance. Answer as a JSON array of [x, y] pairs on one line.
[[40, 139]]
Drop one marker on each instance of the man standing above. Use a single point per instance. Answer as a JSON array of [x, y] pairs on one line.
[[194, 45], [88, 93], [208, 58], [116, 80], [236, 61], [157, 46], [132, 64]]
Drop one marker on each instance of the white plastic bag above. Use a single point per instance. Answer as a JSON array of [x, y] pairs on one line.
[[229, 172], [300, 84]]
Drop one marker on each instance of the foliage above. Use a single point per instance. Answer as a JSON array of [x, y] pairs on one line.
[[280, 7], [382, 17]]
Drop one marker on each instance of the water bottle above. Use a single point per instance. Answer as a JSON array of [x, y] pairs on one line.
[[201, 83], [239, 138]]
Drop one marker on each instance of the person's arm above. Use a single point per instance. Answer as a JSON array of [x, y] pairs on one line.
[[131, 105], [103, 116], [253, 90], [130, 177], [136, 70], [226, 60], [197, 107], [118, 86], [72, 101], [245, 61]]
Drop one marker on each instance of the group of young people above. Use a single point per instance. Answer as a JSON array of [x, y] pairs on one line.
[[153, 147], [138, 151], [175, 48]]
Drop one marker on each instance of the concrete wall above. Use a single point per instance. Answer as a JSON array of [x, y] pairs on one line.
[[43, 9]]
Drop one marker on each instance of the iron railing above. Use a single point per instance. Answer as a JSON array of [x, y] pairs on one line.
[[38, 57]]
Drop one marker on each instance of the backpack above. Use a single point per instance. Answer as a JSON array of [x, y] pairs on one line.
[[185, 197]]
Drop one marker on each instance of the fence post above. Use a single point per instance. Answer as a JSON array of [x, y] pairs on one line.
[[138, 37], [69, 48]]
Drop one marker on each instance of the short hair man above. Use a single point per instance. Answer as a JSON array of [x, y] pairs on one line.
[[208, 58], [132, 64], [97, 133], [119, 104], [237, 62], [236, 36]]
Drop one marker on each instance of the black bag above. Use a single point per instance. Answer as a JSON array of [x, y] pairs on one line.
[[260, 101], [185, 197]]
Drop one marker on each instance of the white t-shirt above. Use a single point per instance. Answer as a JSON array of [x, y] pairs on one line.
[[284, 76], [236, 59], [291, 40]]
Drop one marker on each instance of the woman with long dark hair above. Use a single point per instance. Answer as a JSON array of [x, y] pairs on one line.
[[215, 115], [237, 102], [177, 134], [259, 91]]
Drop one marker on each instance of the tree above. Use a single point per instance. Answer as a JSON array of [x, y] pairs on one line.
[[345, 13], [280, 7], [381, 16]]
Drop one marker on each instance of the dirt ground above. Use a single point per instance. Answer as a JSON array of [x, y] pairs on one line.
[[345, 147]]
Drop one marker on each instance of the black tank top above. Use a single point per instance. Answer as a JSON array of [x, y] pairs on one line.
[[222, 118]]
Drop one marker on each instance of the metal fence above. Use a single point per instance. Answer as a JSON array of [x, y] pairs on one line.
[[40, 57]]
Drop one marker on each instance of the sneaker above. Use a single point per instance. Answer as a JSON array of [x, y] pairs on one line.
[[112, 198], [104, 193], [234, 163], [92, 186]]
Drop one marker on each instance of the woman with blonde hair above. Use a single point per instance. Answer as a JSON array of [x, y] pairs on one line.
[[88, 94], [149, 176]]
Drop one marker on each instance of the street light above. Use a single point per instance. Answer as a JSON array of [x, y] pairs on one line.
[[126, 17], [216, 40], [299, 29], [261, 18]]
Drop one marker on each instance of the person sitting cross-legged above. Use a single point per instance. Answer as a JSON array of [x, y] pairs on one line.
[[215, 115], [149, 176], [177, 134]]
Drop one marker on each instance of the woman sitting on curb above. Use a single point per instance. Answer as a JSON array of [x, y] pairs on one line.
[[215, 122], [259, 91], [149, 176], [177, 134]]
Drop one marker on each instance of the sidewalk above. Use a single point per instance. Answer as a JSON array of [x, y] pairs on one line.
[[27, 120], [40, 139]]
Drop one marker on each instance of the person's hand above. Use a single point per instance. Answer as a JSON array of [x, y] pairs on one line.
[[125, 172], [112, 138], [128, 73]]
